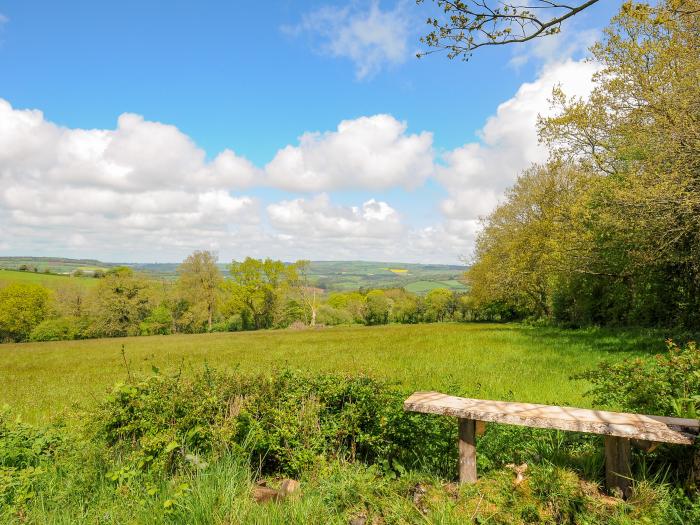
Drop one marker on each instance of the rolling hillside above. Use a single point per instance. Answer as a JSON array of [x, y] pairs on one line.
[[330, 275]]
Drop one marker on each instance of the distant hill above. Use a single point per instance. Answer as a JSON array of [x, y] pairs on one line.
[[330, 275]]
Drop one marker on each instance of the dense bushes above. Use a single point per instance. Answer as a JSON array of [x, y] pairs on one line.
[[668, 384], [286, 422], [172, 449]]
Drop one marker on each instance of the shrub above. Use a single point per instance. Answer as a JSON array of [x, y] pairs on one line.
[[377, 308], [327, 315], [667, 384], [61, 329], [24, 450], [22, 307], [159, 322], [232, 324], [286, 422]]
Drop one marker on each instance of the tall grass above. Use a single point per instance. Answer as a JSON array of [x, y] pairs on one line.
[[493, 361]]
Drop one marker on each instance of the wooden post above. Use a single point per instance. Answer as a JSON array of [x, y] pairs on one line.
[[467, 450], [617, 465]]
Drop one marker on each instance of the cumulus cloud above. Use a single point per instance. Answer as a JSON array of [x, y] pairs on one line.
[[319, 218], [146, 190], [142, 179], [369, 36], [368, 152], [476, 174]]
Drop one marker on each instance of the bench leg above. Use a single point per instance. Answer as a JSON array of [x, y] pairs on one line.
[[467, 451], [618, 469]]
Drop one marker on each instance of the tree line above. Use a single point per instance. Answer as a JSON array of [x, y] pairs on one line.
[[257, 294], [608, 230]]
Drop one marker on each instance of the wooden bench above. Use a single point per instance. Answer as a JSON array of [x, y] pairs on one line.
[[617, 427]]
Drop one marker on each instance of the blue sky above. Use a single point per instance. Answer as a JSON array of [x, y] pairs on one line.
[[405, 179]]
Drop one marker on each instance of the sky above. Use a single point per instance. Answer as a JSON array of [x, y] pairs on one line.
[[142, 131]]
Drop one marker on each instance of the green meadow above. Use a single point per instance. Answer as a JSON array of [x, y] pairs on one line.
[[52, 281], [496, 361]]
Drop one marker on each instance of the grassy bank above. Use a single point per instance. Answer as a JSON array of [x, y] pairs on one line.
[[481, 360]]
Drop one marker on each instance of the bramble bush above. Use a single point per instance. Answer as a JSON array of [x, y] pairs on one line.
[[285, 422]]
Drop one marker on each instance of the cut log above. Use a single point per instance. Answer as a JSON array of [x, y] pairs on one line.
[[467, 451]]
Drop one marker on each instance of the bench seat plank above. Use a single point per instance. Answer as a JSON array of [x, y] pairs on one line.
[[635, 426]]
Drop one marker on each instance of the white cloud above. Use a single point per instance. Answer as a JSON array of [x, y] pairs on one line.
[[3, 20], [555, 48], [319, 218], [476, 174], [145, 190], [370, 37], [368, 152], [136, 185]]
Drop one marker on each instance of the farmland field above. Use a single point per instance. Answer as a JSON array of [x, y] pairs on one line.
[[38, 380], [330, 275], [420, 287], [49, 280]]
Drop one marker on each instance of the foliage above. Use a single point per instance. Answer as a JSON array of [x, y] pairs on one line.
[[164, 450], [257, 289], [22, 307], [667, 384], [121, 302], [286, 422], [260, 294], [199, 282], [377, 308], [607, 231], [24, 453], [61, 329], [159, 321], [330, 316]]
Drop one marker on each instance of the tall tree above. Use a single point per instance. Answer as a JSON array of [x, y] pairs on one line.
[[639, 133], [120, 302], [619, 242], [520, 247], [309, 294], [199, 282], [257, 288]]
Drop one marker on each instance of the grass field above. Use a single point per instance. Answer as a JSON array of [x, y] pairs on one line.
[[421, 287], [49, 280], [515, 362]]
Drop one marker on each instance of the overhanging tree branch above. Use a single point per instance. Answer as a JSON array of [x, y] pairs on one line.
[[466, 25]]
